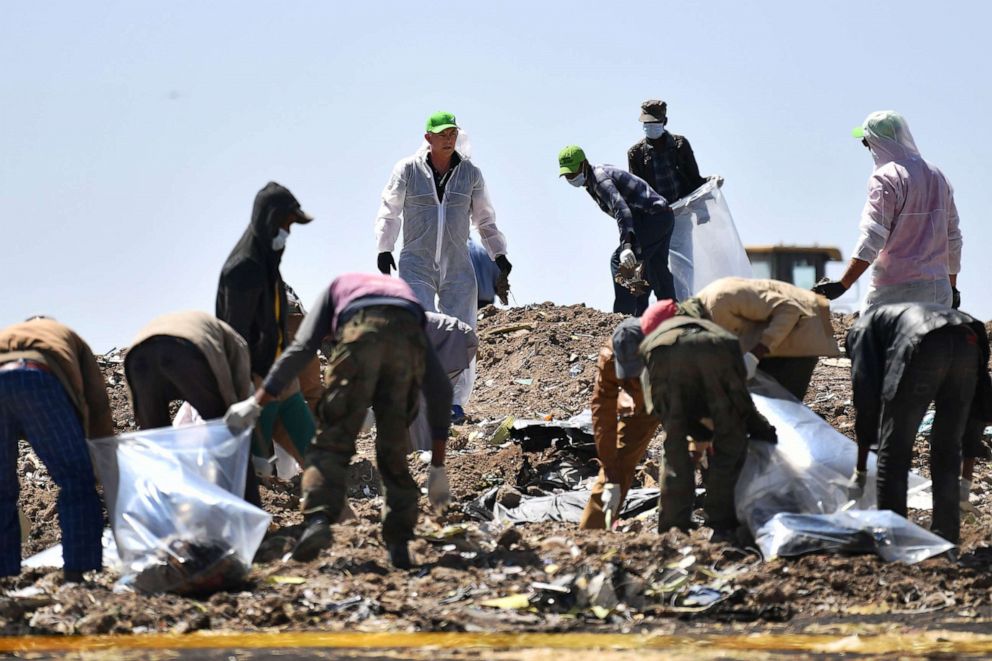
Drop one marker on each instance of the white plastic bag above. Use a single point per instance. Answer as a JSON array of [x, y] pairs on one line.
[[175, 505], [705, 245]]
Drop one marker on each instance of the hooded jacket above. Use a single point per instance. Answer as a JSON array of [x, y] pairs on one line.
[[789, 320], [884, 341], [250, 283], [909, 225]]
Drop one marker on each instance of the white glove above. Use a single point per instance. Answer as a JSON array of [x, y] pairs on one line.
[[611, 502], [438, 491], [627, 257], [242, 416], [964, 495], [856, 485], [750, 365]]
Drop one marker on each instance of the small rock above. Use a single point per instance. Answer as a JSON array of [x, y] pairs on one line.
[[508, 538]]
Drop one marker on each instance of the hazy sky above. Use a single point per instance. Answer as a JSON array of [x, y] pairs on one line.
[[136, 134]]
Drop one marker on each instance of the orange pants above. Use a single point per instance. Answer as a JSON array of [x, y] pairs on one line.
[[634, 434], [622, 429]]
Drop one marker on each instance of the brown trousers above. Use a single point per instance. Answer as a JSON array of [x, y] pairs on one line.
[[621, 444]]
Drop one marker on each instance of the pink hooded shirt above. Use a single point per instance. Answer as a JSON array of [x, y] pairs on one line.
[[909, 225]]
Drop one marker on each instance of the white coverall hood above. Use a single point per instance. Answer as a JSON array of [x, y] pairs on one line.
[[888, 137]]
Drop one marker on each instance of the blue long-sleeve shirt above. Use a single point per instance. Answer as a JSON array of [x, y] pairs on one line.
[[486, 272]]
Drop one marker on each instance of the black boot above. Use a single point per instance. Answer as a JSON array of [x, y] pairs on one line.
[[69, 576], [399, 555], [314, 539]]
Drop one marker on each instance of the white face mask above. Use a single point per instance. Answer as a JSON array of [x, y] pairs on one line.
[[578, 180], [654, 130], [279, 241]]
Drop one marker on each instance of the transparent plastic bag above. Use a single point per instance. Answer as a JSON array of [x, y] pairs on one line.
[[175, 505], [884, 532], [705, 244], [791, 495]]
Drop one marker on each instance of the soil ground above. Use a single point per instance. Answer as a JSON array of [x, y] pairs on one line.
[[534, 362]]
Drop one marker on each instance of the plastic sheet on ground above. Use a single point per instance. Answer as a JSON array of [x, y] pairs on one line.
[[52, 556], [705, 245], [806, 473], [567, 507], [175, 505], [883, 532], [537, 435]]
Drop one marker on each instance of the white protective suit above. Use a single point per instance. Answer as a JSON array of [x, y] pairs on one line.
[[909, 225], [434, 260]]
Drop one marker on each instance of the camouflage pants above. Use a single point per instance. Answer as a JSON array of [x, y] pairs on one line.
[[378, 361]]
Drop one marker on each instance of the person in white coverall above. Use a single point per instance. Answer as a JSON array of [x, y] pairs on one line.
[[434, 196], [909, 225]]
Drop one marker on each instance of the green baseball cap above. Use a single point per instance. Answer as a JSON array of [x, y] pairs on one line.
[[440, 121], [570, 160]]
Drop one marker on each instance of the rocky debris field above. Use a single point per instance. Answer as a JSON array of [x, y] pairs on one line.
[[535, 362]]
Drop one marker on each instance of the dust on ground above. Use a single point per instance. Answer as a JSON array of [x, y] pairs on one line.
[[534, 362]]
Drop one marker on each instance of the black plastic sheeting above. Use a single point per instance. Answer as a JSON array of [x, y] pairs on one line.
[[564, 507]]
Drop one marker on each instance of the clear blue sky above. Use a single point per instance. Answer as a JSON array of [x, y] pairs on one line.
[[134, 135]]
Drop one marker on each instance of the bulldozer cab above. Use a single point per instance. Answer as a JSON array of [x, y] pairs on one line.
[[802, 266]]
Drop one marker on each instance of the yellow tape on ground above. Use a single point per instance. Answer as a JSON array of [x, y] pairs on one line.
[[923, 643]]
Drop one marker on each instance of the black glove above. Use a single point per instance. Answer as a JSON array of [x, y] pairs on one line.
[[955, 298], [504, 265], [385, 262], [831, 289]]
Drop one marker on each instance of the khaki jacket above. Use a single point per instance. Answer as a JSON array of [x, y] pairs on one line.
[[71, 361], [225, 350], [789, 320]]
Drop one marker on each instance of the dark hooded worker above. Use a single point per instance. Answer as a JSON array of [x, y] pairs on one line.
[[621, 425], [381, 358], [695, 382], [251, 298], [903, 357], [52, 394], [643, 217], [194, 357]]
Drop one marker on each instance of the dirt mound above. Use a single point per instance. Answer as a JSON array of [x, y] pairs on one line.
[[534, 362]]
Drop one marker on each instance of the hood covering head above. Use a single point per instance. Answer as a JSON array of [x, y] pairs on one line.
[[888, 137], [272, 204], [250, 281]]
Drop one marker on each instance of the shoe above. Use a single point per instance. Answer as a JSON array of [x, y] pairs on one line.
[[457, 415], [69, 576], [314, 539], [399, 555]]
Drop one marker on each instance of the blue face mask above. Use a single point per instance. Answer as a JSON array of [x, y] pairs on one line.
[[279, 240], [578, 180], [654, 130]]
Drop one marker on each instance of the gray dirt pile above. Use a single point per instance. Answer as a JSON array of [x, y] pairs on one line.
[[534, 362]]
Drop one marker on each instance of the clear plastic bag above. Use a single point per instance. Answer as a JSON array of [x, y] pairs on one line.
[[174, 496], [705, 245], [791, 495], [883, 532]]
